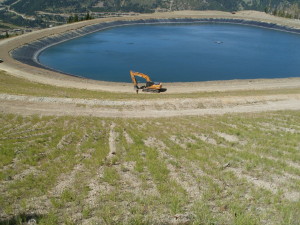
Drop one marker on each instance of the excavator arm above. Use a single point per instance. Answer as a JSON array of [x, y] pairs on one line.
[[134, 81], [134, 74]]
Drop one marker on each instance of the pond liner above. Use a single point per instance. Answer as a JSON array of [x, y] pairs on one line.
[[28, 54]]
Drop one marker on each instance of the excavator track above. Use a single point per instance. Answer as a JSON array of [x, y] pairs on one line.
[[151, 90]]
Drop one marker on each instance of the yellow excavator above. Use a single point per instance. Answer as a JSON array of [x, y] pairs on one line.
[[150, 85]]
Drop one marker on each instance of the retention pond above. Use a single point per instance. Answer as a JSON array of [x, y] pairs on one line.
[[178, 53]]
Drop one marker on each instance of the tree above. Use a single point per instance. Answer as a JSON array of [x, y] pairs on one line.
[[70, 19], [87, 17], [266, 10], [76, 19]]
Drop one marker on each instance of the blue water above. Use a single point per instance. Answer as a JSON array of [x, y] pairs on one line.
[[179, 53]]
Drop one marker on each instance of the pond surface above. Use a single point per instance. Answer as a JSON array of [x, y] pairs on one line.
[[179, 53]]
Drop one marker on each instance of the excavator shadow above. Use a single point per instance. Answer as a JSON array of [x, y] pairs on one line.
[[163, 90]]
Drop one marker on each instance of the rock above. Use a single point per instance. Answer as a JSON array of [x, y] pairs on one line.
[[226, 165], [31, 222]]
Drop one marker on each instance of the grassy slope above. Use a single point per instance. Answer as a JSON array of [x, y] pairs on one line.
[[231, 169]]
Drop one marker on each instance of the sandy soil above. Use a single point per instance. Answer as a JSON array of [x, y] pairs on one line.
[[159, 108]]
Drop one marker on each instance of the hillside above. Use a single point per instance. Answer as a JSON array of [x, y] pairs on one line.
[[78, 151], [42, 13], [30, 7], [237, 168]]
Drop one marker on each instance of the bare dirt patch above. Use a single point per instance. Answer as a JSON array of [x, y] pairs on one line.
[[228, 137], [275, 186], [153, 142], [96, 188], [65, 140], [65, 181], [112, 141], [128, 138], [206, 138], [131, 182]]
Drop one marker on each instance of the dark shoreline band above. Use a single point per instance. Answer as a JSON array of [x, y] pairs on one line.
[[28, 54]]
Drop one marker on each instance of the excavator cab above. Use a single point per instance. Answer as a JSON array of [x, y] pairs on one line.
[[149, 83]]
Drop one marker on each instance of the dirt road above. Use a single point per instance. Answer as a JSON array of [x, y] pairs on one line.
[[29, 105]]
